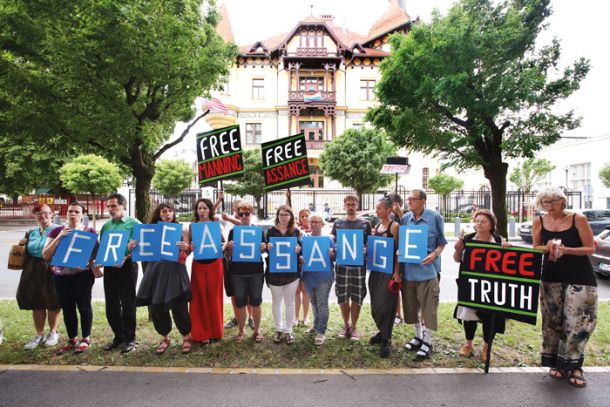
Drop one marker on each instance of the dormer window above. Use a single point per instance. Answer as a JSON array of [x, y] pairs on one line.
[[311, 39]]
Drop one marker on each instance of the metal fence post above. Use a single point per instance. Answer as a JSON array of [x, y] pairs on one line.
[[457, 226], [512, 227]]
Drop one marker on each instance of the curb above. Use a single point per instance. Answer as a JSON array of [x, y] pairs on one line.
[[282, 371]]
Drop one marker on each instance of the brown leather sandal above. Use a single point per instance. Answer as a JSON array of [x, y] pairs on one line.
[[577, 378], [258, 337], [163, 345], [187, 344]]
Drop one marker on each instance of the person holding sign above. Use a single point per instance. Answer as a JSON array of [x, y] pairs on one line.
[[36, 290], [283, 284], [383, 301], [302, 298], [73, 284], [165, 286], [317, 280], [350, 284], [485, 231], [120, 279], [568, 294], [206, 276], [420, 288], [247, 277]]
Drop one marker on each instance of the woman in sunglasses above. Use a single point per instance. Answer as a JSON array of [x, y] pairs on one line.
[[247, 280], [568, 292]]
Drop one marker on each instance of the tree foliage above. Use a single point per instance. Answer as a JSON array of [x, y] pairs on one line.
[[173, 176], [473, 89], [252, 182], [444, 184], [355, 159], [530, 172], [108, 76], [604, 175], [90, 174]]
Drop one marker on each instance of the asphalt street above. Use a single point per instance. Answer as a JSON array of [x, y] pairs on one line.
[[84, 388], [9, 280]]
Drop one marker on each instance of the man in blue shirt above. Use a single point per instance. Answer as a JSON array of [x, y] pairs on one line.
[[420, 289]]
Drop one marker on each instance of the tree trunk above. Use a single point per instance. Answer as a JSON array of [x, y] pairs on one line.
[[359, 194], [143, 182], [94, 209], [496, 174]]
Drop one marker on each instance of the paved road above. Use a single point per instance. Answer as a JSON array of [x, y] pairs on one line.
[[10, 279], [79, 389]]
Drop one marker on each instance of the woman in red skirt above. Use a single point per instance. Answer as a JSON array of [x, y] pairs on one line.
[[207, 285]]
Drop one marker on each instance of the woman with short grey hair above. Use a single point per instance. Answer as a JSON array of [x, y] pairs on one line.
[[568, 294]]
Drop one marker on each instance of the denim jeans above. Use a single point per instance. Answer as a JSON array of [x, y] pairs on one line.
[[319, 301]]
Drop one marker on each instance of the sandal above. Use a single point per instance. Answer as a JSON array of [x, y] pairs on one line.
[[69, 346], [277, 338], [239, 338], [414, 344], [289, 338], [82, 346], [577, 378], [465, 351], [163, 345], [424, 351], [258, 338], [556, 374], [187, 344]]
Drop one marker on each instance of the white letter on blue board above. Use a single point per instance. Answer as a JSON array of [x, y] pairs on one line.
[[163, 242], [316, 255], [251, 245], [71, 247], [408, 246], [113, 247], [206, 233], [383, 258]]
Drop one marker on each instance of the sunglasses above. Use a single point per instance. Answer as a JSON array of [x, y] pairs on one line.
[[244, 214]]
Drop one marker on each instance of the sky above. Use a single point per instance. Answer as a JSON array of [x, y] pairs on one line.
[[581, 26]]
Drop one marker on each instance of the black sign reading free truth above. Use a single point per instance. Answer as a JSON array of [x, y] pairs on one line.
[[219, 155], [501, 281], [285, 163]]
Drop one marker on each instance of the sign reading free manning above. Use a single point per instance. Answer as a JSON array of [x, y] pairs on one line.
[[219, 155]]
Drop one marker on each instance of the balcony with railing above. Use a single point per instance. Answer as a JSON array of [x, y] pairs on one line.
[[315, 144], [312, 52], [303, 96]]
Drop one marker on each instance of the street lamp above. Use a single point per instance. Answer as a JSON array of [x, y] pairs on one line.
[[567, 168]]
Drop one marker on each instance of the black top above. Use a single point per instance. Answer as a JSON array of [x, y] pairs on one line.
[[568, 268], [246, 268], [352, 224], [387, 232], [278, 279]]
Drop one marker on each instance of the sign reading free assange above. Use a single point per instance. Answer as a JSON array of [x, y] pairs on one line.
[[285, 163], [502, 281], [219, 155]]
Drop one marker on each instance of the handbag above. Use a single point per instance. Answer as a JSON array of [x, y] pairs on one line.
[[16, 257]]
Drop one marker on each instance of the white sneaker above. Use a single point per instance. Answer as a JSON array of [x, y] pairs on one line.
[[319, 339], [52, 339], [33, 344]]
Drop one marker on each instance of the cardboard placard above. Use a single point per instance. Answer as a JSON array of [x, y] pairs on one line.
[[112, 248], [247, 244], [282, 256], [412, 243], [149, 243], [219, 155], [316, 254], [285, 163], [350, 247], [207, 241], [380, 254], [75, 250], [501, 281]]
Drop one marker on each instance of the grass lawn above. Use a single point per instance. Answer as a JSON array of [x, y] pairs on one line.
[[518, 347]]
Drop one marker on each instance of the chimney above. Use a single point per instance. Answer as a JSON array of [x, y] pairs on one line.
[[327, 17]]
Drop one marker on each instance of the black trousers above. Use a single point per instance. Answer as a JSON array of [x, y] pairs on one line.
[[470, 327], [163, 322], [120, 293], [74, 291]]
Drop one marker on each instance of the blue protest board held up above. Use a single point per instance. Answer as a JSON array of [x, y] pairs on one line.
[[207, 240], [412, 243], [350, 247], [316, 254], [149, 242], [282, 257], [171, 234], [380, 254], [75, 250], [112, 248], [247, 244]]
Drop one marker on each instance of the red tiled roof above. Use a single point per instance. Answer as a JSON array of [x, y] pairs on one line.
[[224, 25], [394, 17]]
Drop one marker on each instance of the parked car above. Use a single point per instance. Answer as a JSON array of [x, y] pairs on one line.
[[599, 219], [370, 215], [601, 258], [181, 207], [525, 231]]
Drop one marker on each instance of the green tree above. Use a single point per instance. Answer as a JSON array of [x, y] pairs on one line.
[[604, 175], [444, 184], [355, 159], [109, 76], [473, 89], [531, 171], [90, 174], [252, 182], [173, 176]]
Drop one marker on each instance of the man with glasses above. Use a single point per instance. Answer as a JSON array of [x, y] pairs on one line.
[[420, 289], [350, 285], [120, 281]]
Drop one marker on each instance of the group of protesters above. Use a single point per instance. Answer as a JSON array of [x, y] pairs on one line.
[[195, 305]]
